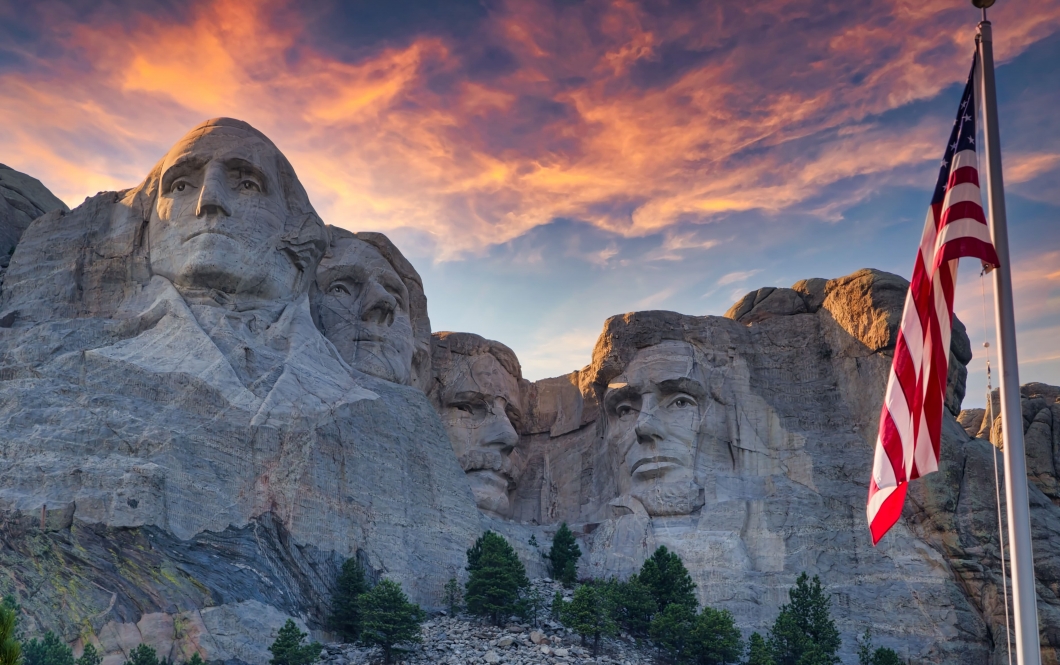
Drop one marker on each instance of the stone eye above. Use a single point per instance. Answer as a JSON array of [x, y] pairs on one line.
[[180, 186], [682, 402], [623, 410], [466, 408], [338, 289], [251, 185]]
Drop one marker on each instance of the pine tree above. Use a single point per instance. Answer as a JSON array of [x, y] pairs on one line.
[[668, 580], [589, 614], [49, 650], [453, 596], [389, 617], [556, 609], [10, 649], [533, 603], [867, 655], [715, 639], [92, 657], [634, 606], [758, 652], [289, 650], [495, 578], [671, 629], [563, 556], [804, 633], [143, 655], [345, 602], [195, 659]]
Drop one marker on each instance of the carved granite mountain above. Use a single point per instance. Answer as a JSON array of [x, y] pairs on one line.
[[184, 457], [209, 399]]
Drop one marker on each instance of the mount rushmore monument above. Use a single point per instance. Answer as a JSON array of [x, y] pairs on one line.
[[209, 399]]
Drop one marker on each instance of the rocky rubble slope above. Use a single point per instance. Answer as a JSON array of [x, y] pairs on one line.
[[462, 639]]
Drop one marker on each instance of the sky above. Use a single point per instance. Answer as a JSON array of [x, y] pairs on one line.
[[546, 164]]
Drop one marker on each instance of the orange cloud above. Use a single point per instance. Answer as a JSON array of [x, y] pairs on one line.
[[595, 115]]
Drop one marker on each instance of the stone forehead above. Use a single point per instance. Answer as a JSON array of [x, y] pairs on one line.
[[482, 374], [346, 252], [221, 139], [667, 360]]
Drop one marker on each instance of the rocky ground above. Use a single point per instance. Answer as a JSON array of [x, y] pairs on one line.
[[464, 639]]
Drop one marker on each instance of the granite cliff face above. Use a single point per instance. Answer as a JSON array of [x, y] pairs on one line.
[[209, 399]]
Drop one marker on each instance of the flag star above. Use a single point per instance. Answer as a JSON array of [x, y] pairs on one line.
[[967, 118], [953, 146], [971, 140]]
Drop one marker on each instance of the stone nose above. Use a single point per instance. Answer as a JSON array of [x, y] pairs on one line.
[[649, 428], [378, 305], [497, 432], [213, 199]]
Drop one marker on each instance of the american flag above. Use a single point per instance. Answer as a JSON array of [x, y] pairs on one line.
[[907, 446]]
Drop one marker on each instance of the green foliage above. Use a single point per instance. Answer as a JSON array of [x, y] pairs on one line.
[[389, 617], [195, 659], [556, 610], [715, 639], [92, 657], [758, 652], [634, 606], [10, 649], [533, 541], [590, 614], [453, 596], [345, 601], [143, 655], [495, 578], [867, 655], [804, 633], [563, 556], [671, 629], [668, 580], [289, 650], [49, 650], [533, 603]]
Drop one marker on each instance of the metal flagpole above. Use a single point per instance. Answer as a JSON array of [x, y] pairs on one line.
[[1025, 608]]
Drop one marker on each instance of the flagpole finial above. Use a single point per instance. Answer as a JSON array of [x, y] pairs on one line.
[[983, 4]]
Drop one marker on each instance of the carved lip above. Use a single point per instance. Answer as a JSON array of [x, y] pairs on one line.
[[656, 463], [500, 478], [219, 232]]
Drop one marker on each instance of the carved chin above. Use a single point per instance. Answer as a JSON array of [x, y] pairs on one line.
[[490, 490], [382, 360], [670, 498]]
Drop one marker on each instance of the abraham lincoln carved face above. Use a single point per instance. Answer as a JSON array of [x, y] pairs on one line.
[[655, 410]]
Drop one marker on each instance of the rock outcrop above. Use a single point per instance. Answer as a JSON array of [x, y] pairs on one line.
[[22, 200]]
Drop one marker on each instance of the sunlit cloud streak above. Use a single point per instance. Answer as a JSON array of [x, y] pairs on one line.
[[616, 114]]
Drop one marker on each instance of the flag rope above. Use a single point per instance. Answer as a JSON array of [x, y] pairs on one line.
[[989, 415]]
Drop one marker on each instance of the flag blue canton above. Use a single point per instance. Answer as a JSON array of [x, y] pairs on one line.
[[961, 138]]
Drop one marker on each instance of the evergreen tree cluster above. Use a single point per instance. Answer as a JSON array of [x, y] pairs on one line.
[[496, 579], [381, 616]]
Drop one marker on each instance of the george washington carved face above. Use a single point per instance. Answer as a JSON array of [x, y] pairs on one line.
[[221, 218]]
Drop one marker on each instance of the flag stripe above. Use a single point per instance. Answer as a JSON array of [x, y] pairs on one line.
[[910, 433]]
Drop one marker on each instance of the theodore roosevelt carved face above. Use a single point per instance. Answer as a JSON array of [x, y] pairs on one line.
[[655, 410], [476, 392]]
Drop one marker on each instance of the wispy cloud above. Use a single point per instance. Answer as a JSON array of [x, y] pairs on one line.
[[739, 276], [612, 113]]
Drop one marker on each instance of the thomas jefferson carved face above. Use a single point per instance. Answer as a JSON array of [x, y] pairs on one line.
[[220, 216], [364, 310], [655, 410], [480, 408]]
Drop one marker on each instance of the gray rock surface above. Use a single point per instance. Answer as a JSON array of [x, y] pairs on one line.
[[22, 200], [204, 436], [189, 451]]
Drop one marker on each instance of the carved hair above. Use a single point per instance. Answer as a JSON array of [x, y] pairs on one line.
[[445, 344]]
